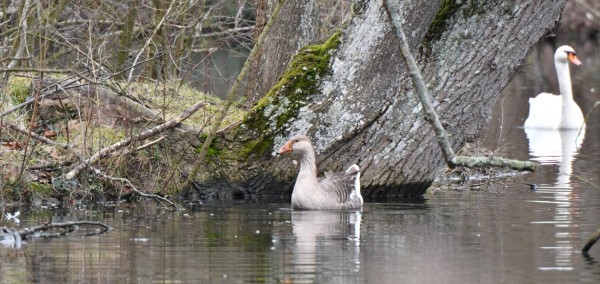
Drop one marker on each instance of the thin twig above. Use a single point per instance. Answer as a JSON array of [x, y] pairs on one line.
[[137, 57], [128, 183]]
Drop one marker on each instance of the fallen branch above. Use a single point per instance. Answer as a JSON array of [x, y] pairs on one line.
[[38, 137], [591, 241], [47, 70], [139, 137], [54, 88], [441, 135]]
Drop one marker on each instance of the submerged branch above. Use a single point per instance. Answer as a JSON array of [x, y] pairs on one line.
[[25, 233], [441, 135], [591, 241]]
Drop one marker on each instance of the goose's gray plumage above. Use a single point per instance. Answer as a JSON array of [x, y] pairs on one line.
[[334, 191]]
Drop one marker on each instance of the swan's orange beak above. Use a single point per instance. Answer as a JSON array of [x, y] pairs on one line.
[[573, 58], [286, 148]]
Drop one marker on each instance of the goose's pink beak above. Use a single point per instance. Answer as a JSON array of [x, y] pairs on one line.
[[286, 148]]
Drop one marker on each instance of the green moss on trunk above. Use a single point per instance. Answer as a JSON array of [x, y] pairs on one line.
[[283, 102], [438, 25]]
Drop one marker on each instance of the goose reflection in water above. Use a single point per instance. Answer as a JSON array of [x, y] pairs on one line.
[[320, 235]]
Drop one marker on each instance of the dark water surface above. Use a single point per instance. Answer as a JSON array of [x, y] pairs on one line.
[[505, 233]]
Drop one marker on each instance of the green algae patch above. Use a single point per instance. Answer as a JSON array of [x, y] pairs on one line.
[[283, 102]]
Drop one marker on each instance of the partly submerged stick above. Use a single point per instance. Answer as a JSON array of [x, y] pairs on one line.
[[442, 136], [591, 241]]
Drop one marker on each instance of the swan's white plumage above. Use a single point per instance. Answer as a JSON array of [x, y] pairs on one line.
[[548, 111]]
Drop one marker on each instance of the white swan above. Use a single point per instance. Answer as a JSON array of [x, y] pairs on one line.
[[550, 111]]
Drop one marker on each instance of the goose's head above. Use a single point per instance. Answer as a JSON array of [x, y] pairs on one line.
[[298, 144], [566, 53]]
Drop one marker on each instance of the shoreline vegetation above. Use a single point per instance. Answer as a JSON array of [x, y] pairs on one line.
[[57, 119]]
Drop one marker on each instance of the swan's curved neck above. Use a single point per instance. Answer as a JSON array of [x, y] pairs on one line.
[[564, 80]]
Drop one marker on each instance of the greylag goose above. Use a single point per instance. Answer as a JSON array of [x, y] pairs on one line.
[[334, 191], [550, 111]]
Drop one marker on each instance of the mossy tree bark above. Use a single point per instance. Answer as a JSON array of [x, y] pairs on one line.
[[363, 109], [296, 27]]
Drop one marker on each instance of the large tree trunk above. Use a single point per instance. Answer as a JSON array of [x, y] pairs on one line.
[[363, 109], [296, 26]]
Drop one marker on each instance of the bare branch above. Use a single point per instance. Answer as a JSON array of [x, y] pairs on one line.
[[22, 49], [441, 135], [150, 38]]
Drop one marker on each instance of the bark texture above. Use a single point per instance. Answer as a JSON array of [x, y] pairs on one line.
[[365, 111], [296, 26]]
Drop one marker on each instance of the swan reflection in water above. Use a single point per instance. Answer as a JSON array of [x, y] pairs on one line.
[[331, 237], [552, 147]]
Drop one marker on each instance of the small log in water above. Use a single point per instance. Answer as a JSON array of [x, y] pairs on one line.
[[15, 238], [591, 241]]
